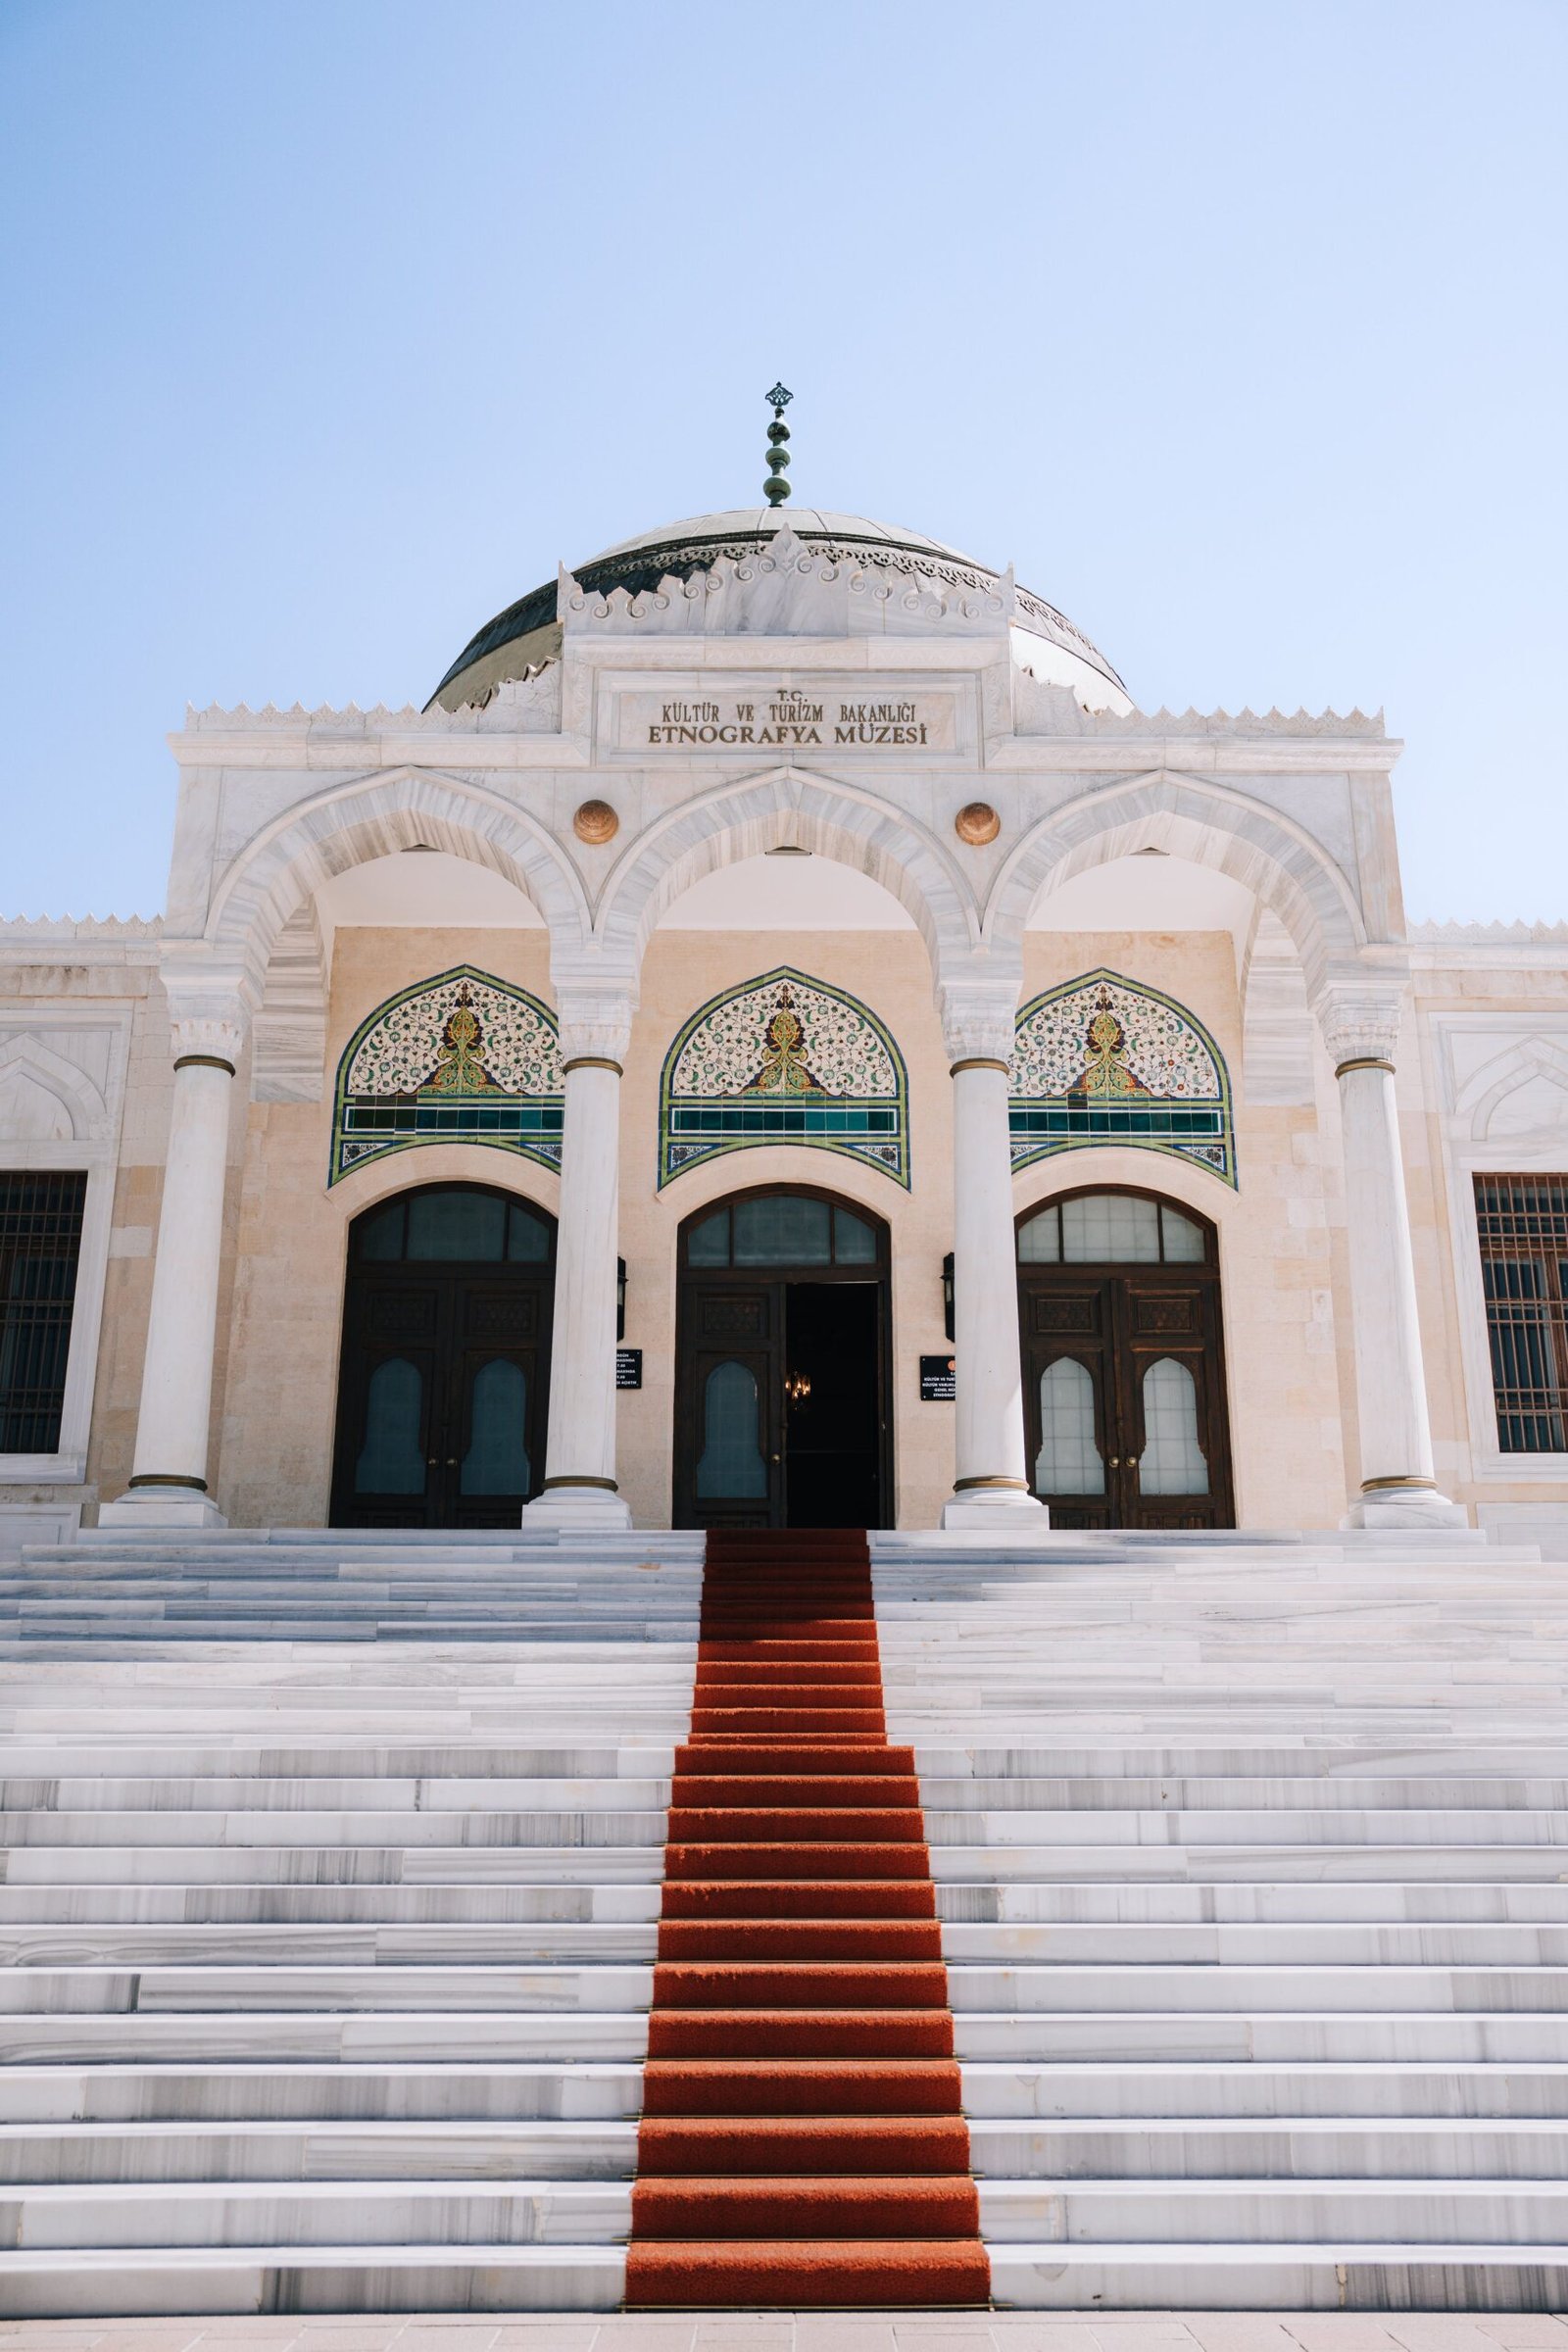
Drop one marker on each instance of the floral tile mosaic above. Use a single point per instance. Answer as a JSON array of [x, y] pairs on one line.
[[784, 1059], [462, 1058], [1101, 1061]]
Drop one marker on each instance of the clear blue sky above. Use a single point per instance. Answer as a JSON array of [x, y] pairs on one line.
[[330, 327]]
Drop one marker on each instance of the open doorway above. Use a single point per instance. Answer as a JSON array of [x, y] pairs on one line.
[[783, 1413]]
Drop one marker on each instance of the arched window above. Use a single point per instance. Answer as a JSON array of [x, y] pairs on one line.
[[1101, 1061]]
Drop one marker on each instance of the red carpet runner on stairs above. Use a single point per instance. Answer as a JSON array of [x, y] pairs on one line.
[[803, 2140]]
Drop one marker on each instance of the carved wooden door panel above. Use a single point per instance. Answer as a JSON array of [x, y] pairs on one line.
[[1124, 1398], [729, 1441], [1176, 1445], [391, 1404], [441, 1399], [491, 1456], [1071, 1426]]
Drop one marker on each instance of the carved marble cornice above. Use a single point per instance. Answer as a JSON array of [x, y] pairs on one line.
[[788, 589]]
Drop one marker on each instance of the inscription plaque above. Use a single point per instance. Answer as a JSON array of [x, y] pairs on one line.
[[810, 719]]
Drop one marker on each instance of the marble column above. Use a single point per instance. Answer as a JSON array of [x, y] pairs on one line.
[[169, 1470], [990, 1483], [1398, 1488], [579, 1489]]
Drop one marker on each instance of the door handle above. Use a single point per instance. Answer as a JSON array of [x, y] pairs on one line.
[[772, 1457]]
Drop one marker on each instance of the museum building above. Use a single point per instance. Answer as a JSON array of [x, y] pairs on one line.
[[781, 1038]]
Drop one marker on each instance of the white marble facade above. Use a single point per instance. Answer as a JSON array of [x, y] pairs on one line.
[[587, 819]]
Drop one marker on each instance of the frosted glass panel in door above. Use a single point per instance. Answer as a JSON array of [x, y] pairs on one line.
[[392, 1459], [1172, 1460], [497, 1459], [732, 1465], [1069, 1460]]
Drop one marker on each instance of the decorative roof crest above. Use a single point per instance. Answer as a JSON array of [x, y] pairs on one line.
[[786, 588]]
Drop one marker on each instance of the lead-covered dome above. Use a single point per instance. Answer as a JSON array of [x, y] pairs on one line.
[[528, 633]]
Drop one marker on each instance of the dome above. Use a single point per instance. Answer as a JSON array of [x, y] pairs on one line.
[[528, 633]]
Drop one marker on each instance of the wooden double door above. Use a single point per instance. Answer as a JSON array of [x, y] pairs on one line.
[[782, 1377], [444, 1383], [1124, 1394]]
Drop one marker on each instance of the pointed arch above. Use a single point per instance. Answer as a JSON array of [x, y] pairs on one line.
[[789, 806], [287, 861], [33, 1077], [1291, 871]]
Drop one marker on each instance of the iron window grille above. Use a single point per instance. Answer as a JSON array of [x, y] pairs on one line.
[[1523, 1227], [40, 1242]]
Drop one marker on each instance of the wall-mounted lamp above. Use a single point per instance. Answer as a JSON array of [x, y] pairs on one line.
[[946, 1297], [621, 1298]]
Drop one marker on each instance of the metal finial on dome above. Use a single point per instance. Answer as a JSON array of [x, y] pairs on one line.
[[777, 488]]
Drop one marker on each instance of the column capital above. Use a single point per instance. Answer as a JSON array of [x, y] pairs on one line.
[[595, 1022], [1360, 1019], [979, 1014]]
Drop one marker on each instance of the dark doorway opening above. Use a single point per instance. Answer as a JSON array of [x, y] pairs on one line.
[[445, 1375], [1123, 1363], [782, 1375]]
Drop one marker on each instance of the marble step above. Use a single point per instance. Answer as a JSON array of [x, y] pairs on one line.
[[120, 1831], [628, 1823], [1259, 2090], [371, 1759], [359, 2092], [375, 1794], [1270, 2212], [448, 1909], [1116, 1802], [486, 2211], [347, 2278], [1177, 2036], [1197, 1864], [1341, 2277], [329, 1864], [451, 1989], [470, 2152], [319, 2213], [1334, 1901], [1006, 2154], [323, 2038], [396, 1944], [1114, 1991], [352, 2091]]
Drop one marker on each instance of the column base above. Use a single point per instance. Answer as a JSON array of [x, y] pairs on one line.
[[569, 1507], [1012, 1508], [161, 1507], [1403, 1506]]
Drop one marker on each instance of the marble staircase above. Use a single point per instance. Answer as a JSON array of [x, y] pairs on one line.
[[331, 1869]]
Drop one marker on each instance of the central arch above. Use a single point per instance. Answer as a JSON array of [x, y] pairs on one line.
[[783, 1362]]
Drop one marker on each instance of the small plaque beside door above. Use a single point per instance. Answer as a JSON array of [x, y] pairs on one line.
[[628, 1367], [939, 1379]]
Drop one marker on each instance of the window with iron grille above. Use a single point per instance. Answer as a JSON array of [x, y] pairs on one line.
[[1523, 1224], [40, 1239]]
